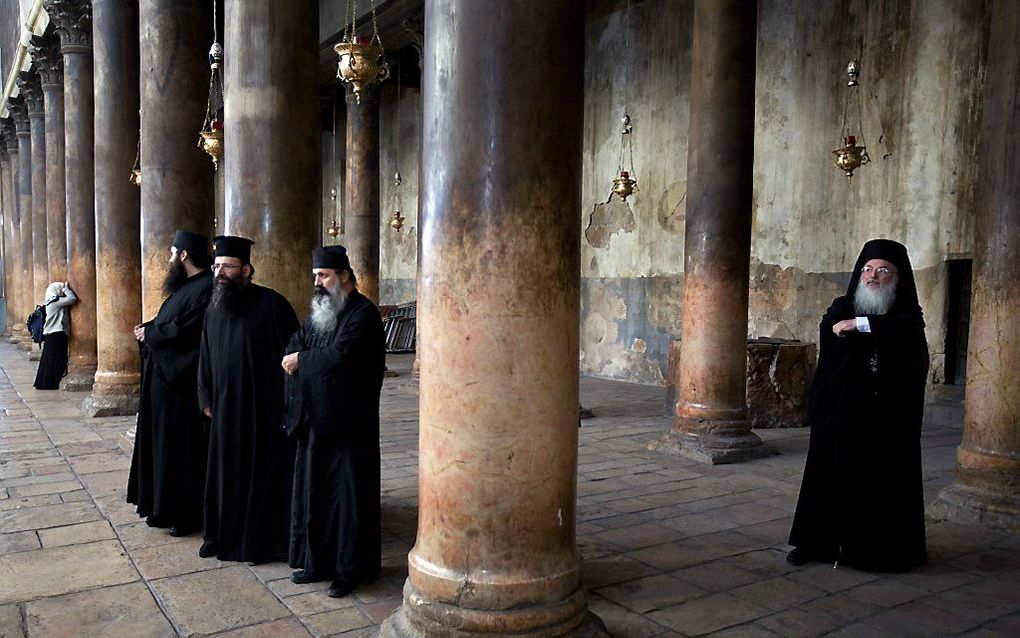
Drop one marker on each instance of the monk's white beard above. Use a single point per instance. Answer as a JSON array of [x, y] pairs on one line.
[[874, 300], [326, 309]]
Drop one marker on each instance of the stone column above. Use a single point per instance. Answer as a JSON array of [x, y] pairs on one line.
[[711, 423], [10, 248], [273, 138], [987, 484], [73, 20], [177, 182], [496, 551], [32, 88], [23, 191], [115, 47], [361, 190], [45, 51], [12, 235]]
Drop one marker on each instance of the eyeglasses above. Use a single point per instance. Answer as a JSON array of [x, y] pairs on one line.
[[881, 270], [216, 267]]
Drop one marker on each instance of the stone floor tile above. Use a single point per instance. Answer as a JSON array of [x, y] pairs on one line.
[[286, 628], [921, 619], [613, 569], [650, 593], [823, 576], [380, 610], [621, 622], [24, 502], [777, 594], [45, 488], [272, 571], [60, 570], [316, 602], [48, 516], [335, 622], [284, 587], [217, 600], [799, 623], [885, 593], [103, 462], [136, 535], [19, 542], [124, 611], [76, 534], [749, 630], [708, 614], [173, 559], [11, 625], [639, 536]]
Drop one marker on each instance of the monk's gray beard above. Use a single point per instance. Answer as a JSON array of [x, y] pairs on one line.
[[869, 300], [326, 309]]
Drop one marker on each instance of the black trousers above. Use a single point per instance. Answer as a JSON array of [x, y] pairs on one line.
[[53, 365]]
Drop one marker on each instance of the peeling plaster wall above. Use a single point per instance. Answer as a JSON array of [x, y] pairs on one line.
[[399, 150], [922, 77]]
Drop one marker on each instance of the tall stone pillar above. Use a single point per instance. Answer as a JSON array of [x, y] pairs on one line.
[[711, 423], [23, 190], [10, 249], [12, 235], [987, 484], [115, 51], [45, 51], [496, 551], [31, 87], [177, 182], [361, 190], [271, 50], [73, 19]]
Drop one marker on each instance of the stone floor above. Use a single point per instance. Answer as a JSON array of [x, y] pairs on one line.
[[671, 547]]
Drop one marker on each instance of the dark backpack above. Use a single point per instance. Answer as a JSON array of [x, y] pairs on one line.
[[36, 322]]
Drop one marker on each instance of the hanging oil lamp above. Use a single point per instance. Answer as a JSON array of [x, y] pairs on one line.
[[334, 226], [625, 182], [211, 136], [397, 221], [850, 156], [362, 61]]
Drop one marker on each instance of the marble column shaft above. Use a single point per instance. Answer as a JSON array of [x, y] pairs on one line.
[[56, 211], [40, 252], [23, 180], [177, 177], [11, 274], [118, 225], [13, 236], [987, 484], [496, 551], [361, 190], [711, 423], [273, 136]]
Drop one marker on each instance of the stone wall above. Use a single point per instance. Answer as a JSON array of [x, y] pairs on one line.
[[922, 75]]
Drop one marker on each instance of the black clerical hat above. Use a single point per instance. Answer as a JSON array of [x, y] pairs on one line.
[[334, 257], [230, 246], [194, 243]]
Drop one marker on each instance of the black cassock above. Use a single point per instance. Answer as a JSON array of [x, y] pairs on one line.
[[333, 415], [861, 499], [167, 476], [247, 490]]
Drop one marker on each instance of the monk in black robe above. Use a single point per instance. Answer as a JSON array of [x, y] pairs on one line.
[[167, 478], [240, 385], [335, 366], [861, 501]]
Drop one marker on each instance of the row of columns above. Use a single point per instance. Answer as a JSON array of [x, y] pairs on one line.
[[499, 298]]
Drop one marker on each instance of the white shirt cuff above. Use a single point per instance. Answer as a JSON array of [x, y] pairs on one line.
[[863, 325]]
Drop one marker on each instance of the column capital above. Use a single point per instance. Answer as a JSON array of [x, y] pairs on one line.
[[46, 57], [415, 29], [73, 20], [31, 88], [19, 113], [9, 134]]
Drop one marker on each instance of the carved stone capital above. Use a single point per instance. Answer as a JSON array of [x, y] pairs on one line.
[[47, 59], [19, 113], [73, 21], [415, 29], [31, 88]]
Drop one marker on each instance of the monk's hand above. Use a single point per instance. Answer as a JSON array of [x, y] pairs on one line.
[[290, 363], [140, 332], [207, 410], [845, 326]]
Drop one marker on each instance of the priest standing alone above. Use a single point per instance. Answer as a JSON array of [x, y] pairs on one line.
[[335, 367], [240, 386]]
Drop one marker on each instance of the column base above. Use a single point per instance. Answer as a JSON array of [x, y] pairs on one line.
[[419, 617], [114, 394], [714, 449], [26, 344], [965, 504], [79, 379], [35, 354]]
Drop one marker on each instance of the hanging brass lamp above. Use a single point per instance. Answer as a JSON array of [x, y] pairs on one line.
[[362, 61], [210, 137], [850, 156]]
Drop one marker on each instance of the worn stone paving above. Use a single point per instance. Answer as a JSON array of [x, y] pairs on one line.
[[671, 547]]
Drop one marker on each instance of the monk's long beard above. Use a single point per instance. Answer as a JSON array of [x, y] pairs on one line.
[[327, 304], [176, 275], [227, 297], [874, 300]]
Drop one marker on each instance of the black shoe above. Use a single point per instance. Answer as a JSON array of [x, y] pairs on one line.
[[798, 557], [155, 521], [180, 530], [340, 588], [303, 577], [208, 549]]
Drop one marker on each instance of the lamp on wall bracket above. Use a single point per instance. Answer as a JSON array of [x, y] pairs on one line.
[[625, 181], [210, 138], [362, 60], [850, 155]]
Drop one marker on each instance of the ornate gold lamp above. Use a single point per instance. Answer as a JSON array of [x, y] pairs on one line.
[[210, 138], [625, 182], [362, 61], [850, 156], [397, 221]]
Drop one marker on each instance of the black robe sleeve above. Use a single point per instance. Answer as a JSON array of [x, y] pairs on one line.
[[204, 372]]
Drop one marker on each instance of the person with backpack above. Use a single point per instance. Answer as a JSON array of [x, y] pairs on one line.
[[56, 330]]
